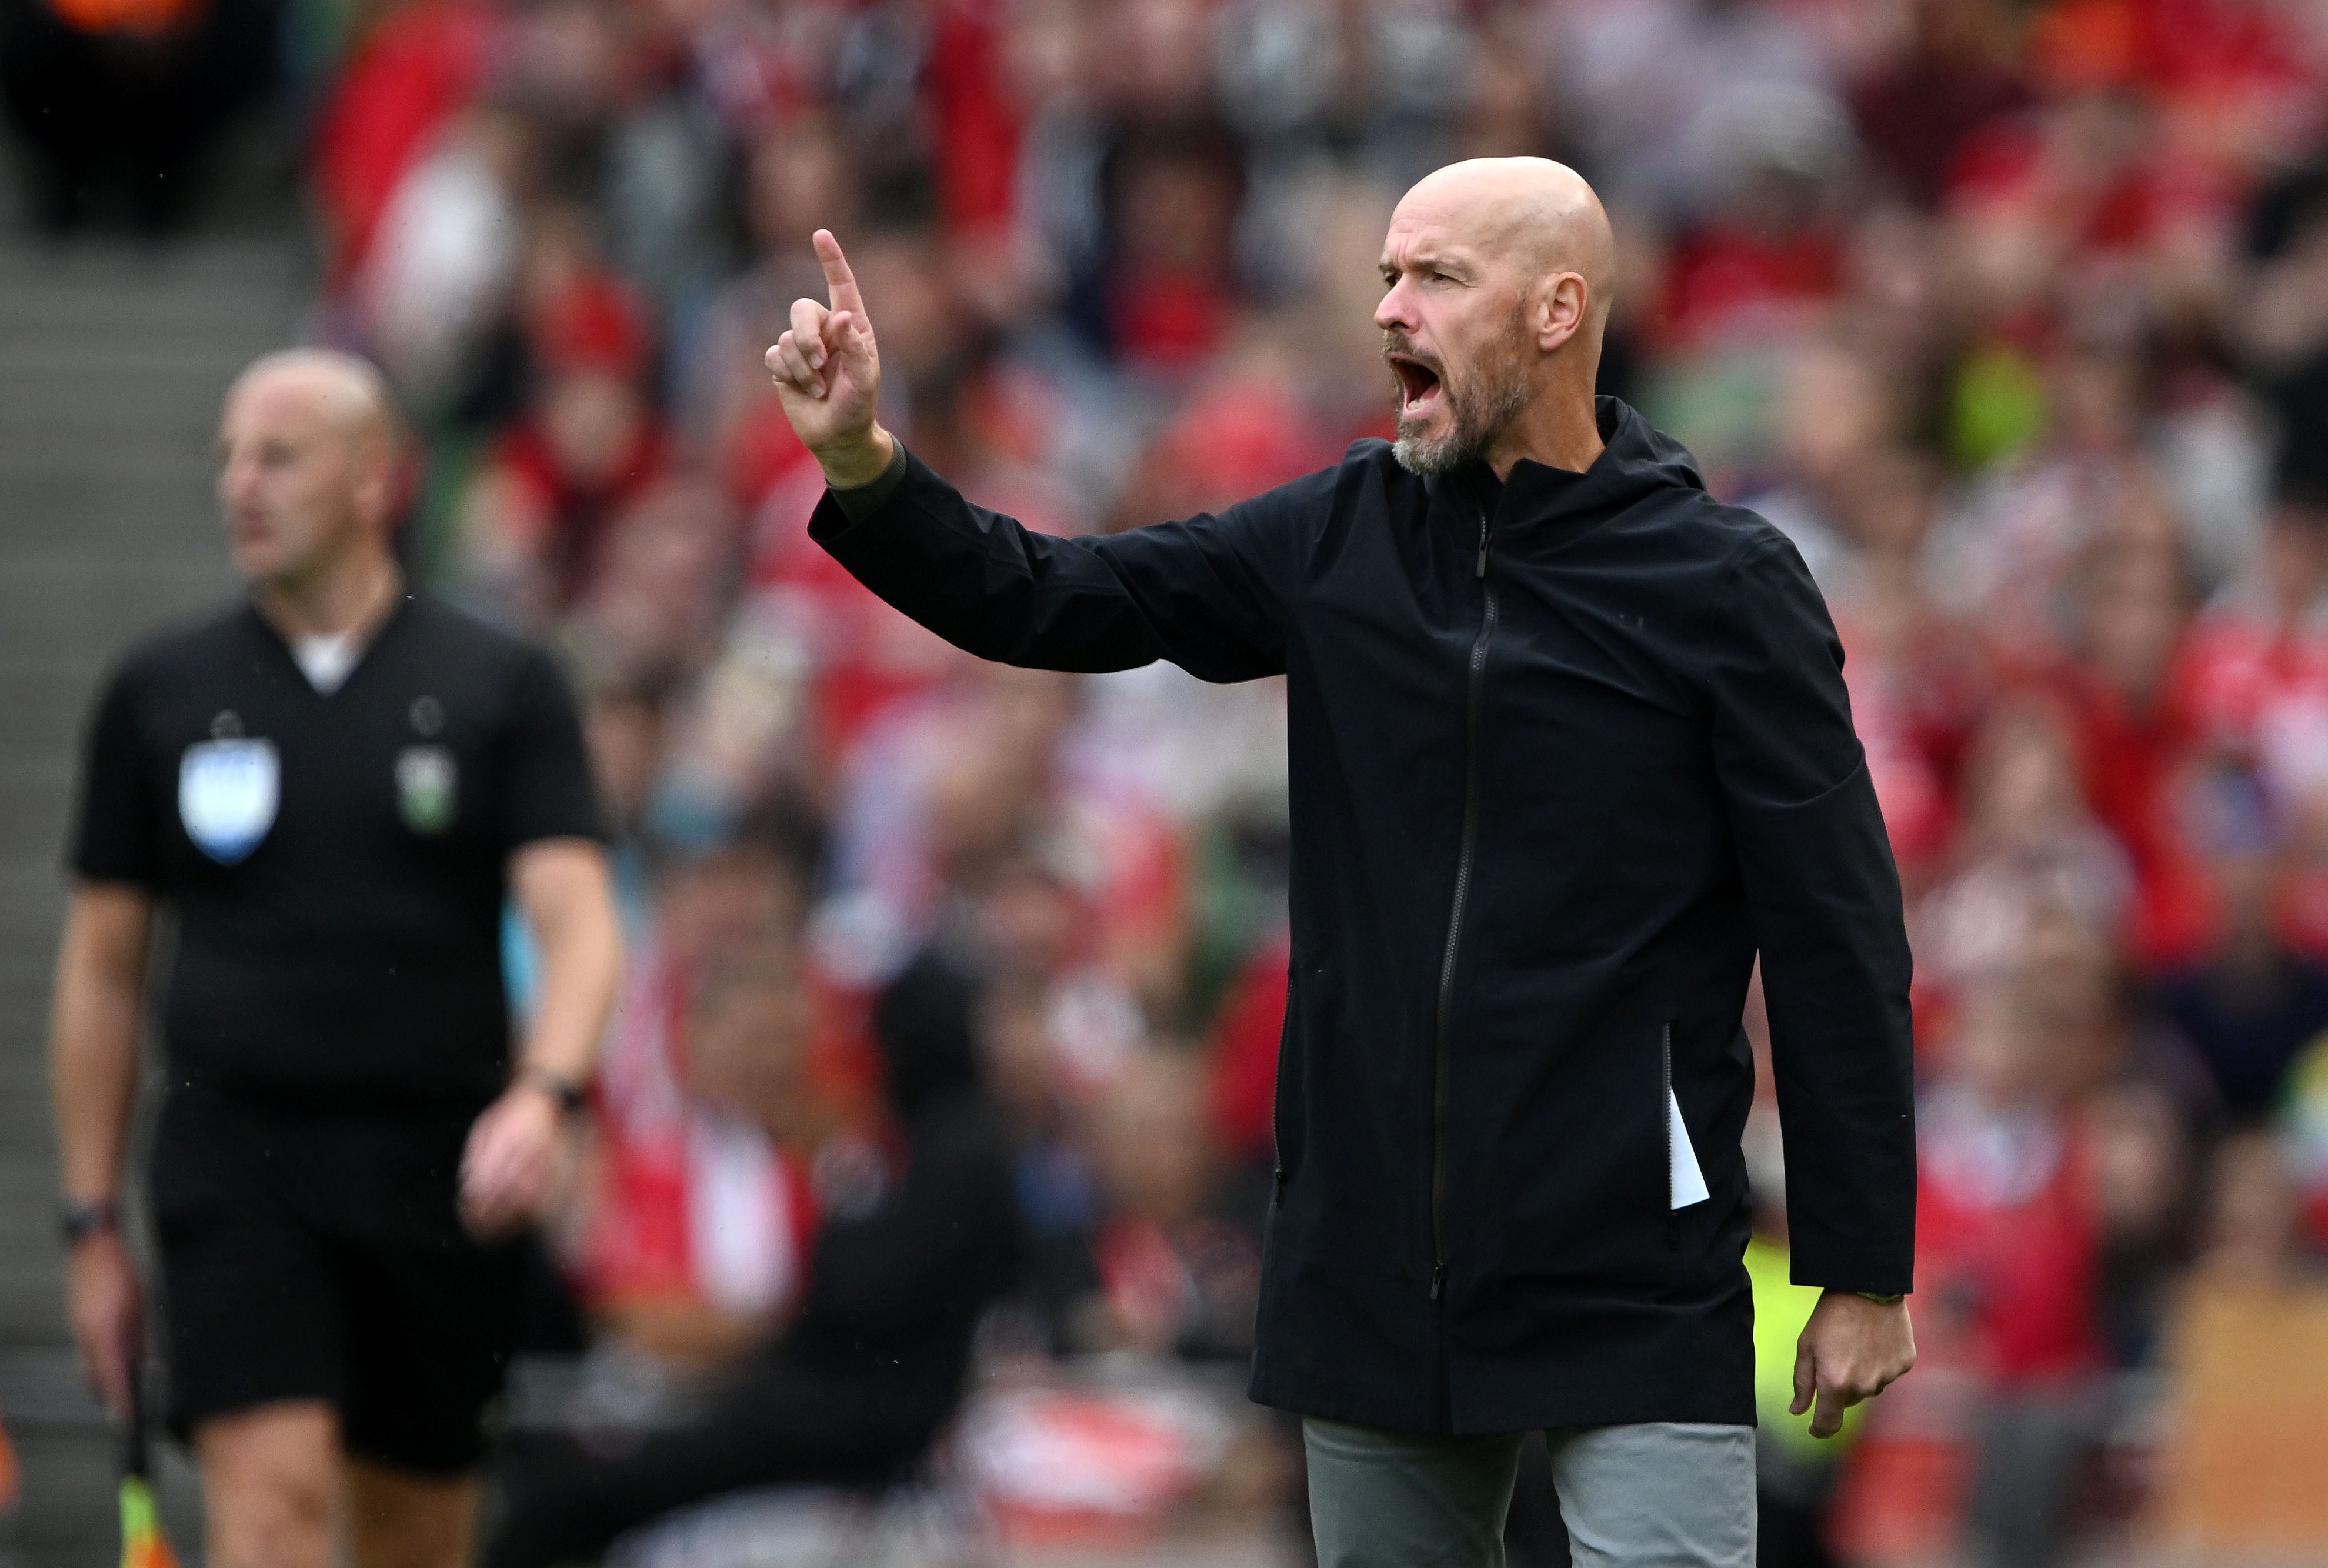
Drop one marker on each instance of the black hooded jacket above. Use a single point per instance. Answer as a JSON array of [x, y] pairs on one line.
[[1566, 753]]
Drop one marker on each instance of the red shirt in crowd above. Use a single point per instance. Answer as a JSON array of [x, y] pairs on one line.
[[2007, 1244]]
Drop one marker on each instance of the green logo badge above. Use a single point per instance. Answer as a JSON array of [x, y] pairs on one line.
[[425, 782]]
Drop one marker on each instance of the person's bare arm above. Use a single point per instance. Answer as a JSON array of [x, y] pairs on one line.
[[93, 1038], [563, 890]]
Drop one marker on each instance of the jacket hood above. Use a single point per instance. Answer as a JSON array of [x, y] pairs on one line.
[[1637, 460]]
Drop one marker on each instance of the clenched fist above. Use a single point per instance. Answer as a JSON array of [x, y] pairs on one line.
[[827, 370]]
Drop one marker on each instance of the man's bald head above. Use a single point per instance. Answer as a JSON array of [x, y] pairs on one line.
[[344, 392], [1539, 216], [1498, 274], [308, 441]]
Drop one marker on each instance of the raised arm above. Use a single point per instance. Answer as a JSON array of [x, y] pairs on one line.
[[1208, 593]]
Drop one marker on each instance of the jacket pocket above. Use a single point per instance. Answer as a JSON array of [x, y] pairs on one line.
[[1685, 1179]]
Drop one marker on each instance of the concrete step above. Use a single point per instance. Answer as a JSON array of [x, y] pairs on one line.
[[113, 356]]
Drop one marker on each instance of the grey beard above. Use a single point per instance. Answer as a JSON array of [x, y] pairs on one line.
[[1478, 421]]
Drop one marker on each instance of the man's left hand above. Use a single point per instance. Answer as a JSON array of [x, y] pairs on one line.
[[506, 1168], [1852, 1350]]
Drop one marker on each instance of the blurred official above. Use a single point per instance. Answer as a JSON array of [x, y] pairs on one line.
[[1570, 746], [334, 787]]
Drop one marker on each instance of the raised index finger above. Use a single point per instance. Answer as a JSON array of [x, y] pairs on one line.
[[839, 283]]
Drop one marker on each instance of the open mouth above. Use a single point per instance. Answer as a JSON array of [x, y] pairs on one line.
[[1418, 386]]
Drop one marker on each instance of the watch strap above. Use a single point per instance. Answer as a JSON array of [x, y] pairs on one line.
[[572, 1096], [78, 1219]]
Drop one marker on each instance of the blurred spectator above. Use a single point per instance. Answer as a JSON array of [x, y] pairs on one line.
[[2256, 654], [2135, 735], [648, 616], [432, 288], [2144, 1181], [120, 100], [2254, 1003], [1665, 89], [1172, 1272], [792, 184], [914, 1235], [1159, 290], [2009, 1256], [2283, 327], [699, 1236], [964, 776], [1948, 73], [2027, 845], [537, 516]]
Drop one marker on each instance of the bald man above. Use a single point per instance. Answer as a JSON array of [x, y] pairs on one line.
[[334, 786], [1570, 749]]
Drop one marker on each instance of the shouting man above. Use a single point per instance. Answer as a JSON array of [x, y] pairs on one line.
[[1570, 748]]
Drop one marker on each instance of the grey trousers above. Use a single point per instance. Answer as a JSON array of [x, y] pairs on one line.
[[1660, 1495]]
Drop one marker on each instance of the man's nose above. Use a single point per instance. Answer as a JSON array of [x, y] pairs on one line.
[[1393, 312], [234, 482]]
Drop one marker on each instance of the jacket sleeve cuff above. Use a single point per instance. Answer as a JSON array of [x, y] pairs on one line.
[[856, 503]]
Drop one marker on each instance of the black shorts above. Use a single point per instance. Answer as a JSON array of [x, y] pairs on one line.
[[311, 1255]]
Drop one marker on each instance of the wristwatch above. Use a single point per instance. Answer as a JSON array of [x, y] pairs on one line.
[[82, 1218], [572, 1096], [1893, 1299]]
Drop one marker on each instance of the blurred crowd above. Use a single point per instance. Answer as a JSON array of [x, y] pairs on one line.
[[2013, 315]]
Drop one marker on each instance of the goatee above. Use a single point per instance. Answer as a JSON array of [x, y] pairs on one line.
[[1479, 406]]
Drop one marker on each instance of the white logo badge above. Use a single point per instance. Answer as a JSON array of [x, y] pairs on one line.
[[227, 794]]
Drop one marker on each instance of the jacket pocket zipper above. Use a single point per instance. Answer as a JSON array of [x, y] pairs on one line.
[[1277, 1104]]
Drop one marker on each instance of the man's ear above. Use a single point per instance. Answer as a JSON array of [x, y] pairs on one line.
[[1565, 302], [379, 478]]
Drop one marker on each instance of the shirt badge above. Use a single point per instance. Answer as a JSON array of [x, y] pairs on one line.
[[228, 790], [425, 783]]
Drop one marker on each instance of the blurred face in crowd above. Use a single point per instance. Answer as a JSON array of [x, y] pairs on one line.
[[1176, 212], [655, 601], [2296, 555], [623, 731], [2252, 1210], [2023, 788], [1497, 273], [1027, 920], [747, 1054], [2138, 1161], [737, 900], [797, 180], [1884, 500], [1838, 412], [2133, 611], [306, 455], [592, 415], [2066, 994], [1153, 1147], [1015, 1052]]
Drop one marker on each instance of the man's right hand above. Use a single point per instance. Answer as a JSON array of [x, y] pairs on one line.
[[108, 1315], [827, 371]]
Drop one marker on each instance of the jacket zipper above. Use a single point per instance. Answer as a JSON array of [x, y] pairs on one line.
[[1472, 699], [1665, 1119]]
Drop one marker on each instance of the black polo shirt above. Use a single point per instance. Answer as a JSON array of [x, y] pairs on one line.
[[337, 861]]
